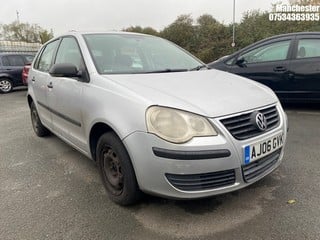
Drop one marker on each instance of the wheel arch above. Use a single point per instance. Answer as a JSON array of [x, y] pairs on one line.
[[5, 75], [97, 130], [30, 100]]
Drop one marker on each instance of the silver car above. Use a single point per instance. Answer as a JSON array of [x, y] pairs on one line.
[[153, 117]]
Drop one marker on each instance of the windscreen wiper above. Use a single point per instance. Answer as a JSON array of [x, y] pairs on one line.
[[197, 68], [167, 70]]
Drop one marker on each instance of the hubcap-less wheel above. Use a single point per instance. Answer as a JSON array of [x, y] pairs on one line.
[[116, 170], [112, 170], [5, 86]]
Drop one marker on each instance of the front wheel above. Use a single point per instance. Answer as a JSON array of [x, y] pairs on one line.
[[116, 170], [5, 85]]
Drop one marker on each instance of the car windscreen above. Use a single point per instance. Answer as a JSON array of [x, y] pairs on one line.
[[131, 53]]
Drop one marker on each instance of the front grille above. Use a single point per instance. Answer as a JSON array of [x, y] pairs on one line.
[[205, 181], [241, 126], [257, 168]]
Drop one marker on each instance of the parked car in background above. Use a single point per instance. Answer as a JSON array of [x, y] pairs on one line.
[[153, 117], [11, 66], [289, 64], [25, 72]]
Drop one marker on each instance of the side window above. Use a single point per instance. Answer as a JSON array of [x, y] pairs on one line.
[[15, 60], [271, 52], [69, 52], [28, 58], [45, 60], [5, 61], [308, 48]]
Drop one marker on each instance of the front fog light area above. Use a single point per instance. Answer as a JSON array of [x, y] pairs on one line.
[[177, 126]]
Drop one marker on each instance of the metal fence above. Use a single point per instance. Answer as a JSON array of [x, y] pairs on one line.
[[18, 47]]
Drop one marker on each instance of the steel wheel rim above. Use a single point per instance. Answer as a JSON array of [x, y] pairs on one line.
[[5, 85], [112, 170]]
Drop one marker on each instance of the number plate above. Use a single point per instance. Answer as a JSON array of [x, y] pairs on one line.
[[260, 149]]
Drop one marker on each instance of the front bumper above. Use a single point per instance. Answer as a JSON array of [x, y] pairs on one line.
[[205, 166]]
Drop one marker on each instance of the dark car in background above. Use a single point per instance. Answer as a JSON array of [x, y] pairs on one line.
[[289, 64], [11, 66], [25, 73]]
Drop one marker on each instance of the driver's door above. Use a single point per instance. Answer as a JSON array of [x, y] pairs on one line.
[[267, 64]]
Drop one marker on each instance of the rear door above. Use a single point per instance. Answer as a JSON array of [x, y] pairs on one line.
[[39, 80], [305, 68], [267, 63]]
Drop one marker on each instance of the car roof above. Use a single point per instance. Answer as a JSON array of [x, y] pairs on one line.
[[79, 33], [287, 35], [270, 39], [14, 54]]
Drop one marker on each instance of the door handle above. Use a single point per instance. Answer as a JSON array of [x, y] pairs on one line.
[[279, 69], [33, 79], [50, 85]]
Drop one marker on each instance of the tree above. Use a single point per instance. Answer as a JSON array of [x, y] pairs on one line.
[[213, 38], [25, 32], [138, 29], [304, 2], [181, 32]]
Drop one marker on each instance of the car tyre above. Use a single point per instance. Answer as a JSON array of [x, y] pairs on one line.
[[116, 170], [39, 129], [5, 85]]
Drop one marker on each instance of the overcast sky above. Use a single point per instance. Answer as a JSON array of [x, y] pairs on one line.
[[64, 15]]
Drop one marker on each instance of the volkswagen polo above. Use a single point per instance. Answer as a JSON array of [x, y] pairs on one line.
[[153, 117]]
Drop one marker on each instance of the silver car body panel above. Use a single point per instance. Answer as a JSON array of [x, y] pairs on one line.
[[121, 101]]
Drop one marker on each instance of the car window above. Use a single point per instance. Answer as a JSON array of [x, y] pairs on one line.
[[271, 52], [230, 61], [45, 59], [69, 52], [308, 48], [15, 60], [28, 58], [5, 61], [128, 53]]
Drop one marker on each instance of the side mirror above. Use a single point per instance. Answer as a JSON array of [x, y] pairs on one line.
[[241, 62], [64, 70]]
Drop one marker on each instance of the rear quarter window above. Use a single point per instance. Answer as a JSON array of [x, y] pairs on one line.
[[308, 48]]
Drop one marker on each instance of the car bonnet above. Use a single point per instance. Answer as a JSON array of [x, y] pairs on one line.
[[211, 93]]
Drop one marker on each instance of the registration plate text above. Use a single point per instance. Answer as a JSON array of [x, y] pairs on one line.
[[258, 150]]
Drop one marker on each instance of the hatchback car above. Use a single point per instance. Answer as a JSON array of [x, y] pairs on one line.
[[11, 66], [153, 117], [288, 64]]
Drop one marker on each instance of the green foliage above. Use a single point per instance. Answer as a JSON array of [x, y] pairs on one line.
[[182, 32], [138, 29], [25, 32]]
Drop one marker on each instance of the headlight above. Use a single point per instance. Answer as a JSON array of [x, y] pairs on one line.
[[177, 126]]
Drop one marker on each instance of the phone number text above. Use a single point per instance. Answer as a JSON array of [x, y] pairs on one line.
[[294, 16]]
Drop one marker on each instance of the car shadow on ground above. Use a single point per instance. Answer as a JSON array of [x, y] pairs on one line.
[[20, 89]]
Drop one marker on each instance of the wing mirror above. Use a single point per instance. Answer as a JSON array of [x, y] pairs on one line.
[[64, 70], [241, 62]]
